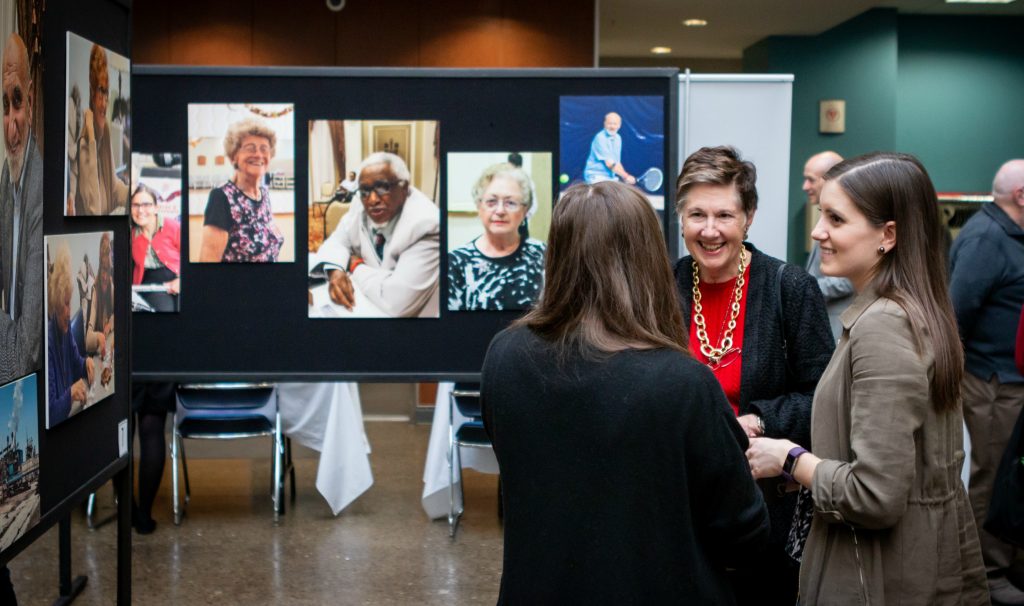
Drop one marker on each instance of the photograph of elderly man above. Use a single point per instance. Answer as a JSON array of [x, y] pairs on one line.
[[98, 130], [380, 255], [21, 221]]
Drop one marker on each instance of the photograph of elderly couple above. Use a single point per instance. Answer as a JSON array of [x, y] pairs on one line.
[[155, 210], [79, 324], [97, 129], [374, 235]]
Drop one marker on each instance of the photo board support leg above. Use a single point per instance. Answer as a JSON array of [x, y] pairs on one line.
[[123, 486], [69, 589]]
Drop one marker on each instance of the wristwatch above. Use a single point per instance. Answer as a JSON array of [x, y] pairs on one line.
[[791, 458]]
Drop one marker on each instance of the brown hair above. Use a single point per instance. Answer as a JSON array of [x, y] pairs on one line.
[[896, 187], [720, 165], [608, 283], [97, 66]]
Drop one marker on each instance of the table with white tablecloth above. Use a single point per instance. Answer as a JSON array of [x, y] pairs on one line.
[[328, 418], [435, 474]]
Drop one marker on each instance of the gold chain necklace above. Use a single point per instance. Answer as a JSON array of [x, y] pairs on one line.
[[715, 354]]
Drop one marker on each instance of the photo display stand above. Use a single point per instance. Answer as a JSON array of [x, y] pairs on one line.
[[87, 444], [251, 321]]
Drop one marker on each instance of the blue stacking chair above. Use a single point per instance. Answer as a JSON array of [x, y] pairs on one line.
[[466, 398], [224, 411]]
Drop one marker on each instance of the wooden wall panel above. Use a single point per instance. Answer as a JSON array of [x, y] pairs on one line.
[[379, 33], [210, 33], [296, 33], [387, 33]]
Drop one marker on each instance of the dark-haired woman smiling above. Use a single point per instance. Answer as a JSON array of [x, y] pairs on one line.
[[621, 463], [892, 522]]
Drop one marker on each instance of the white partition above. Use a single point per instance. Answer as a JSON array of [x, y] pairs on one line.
[[753, 113]]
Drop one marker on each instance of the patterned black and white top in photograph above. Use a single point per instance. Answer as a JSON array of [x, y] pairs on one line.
[[476, 281]]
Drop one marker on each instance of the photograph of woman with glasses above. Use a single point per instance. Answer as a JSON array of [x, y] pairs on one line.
[[238, 226], [156, 251], [502, 268]]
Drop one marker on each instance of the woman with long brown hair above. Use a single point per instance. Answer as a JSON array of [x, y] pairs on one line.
[[621, 465], [892, 522]]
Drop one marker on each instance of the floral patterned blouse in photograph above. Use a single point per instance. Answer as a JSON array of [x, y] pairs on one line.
[[253, 237], [476, 281]]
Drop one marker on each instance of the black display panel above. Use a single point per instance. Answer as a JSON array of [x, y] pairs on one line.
[[240, 321]]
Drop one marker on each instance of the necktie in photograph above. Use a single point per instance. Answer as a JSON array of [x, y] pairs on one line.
[[378, 244]]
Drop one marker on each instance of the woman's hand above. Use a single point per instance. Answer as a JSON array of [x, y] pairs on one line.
[[89, 371], [172, 286], [766, 456], [101, 344], [78, 391], [751, 425]]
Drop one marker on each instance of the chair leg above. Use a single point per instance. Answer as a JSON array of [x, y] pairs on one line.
[[184, 467], [277, 470], [90, 511], [451, 483], [175, 505], [291, 466]]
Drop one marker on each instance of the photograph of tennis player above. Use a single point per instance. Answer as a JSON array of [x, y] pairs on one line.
[[613, 138], [499, 210]]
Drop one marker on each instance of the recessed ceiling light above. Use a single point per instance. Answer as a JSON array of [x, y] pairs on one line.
[[696, 22], [661, 50], [978, 1]]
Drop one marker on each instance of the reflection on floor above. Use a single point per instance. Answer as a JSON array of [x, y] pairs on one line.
[[381, 550]]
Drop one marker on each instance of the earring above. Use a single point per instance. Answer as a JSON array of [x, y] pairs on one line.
[[881, 250], [745, 232]]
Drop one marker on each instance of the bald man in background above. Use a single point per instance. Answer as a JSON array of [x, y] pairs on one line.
[[987, 288], [21, 222], [838, 292]]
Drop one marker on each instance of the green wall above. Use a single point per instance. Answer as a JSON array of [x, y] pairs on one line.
[[949, 89], [960, 96], [855, 61]]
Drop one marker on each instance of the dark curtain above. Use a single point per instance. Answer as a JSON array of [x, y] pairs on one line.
[[30, 28]]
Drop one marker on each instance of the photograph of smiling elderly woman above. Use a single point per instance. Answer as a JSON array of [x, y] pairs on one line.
[[760, 325], [241, 183]]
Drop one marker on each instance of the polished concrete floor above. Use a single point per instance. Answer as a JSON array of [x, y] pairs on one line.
[[380, 550]]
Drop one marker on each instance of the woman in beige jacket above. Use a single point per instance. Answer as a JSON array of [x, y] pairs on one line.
[[892, 523]]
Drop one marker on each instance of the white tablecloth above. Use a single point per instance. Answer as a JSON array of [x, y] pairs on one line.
[[435, 473], [328, 417]]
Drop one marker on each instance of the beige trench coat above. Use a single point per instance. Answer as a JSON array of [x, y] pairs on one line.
[[892, 523]]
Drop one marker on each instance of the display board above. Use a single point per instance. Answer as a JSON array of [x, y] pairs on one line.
[[261, 212], [753, 113], [65, 410]]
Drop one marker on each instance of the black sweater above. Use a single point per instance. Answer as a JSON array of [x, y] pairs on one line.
[[781, 397], [623, 477]]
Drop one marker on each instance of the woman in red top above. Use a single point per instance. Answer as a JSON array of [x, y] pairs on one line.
[[156, 249], [760, 325]]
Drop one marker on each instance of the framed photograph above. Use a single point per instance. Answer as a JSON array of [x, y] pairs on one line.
[[19, 498], [499, 211], [832, 116], [241, 182], [374, 224], [155, 210], [80, 323], [21, 187], [97, 129], [613, 138]]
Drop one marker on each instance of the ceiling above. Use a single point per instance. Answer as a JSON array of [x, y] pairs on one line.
[[629, 28]]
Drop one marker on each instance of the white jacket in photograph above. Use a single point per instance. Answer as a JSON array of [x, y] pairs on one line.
[[404, 283]]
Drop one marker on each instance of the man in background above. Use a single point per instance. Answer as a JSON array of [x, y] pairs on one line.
[[605, 160], [987, 289], [838, 292], [21, 222]]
